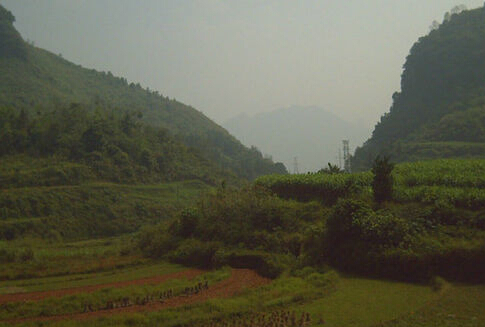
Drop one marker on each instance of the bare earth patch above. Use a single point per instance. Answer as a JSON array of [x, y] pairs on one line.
[[37, 296]]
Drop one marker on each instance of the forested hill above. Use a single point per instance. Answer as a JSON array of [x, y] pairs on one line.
[[440, 111], [40, 82]]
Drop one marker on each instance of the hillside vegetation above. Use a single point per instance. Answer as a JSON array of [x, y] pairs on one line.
[[38, 81], [432, 224], [439, 111]]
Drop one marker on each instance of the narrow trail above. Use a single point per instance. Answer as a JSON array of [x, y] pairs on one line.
[[37, 296], [239, 280]]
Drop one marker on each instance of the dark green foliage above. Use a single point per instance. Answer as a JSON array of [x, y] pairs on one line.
[[156, 241], [193, 252], [249, 226], [103, 142], [355, 225], [382, 182], [442, 97], [379, 243], [11, 43], [251, 217], [6, 15], [324, 187], [188, 223]]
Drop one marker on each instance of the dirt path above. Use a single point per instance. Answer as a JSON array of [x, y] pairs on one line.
[[36, 296], [239, 280]]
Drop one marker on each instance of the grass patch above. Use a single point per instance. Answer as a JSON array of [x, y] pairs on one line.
[[460, 306], [80, 280], [340, 301], [363, 302]]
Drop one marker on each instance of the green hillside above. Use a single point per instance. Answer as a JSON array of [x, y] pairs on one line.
[[440, 109], [38, 81]]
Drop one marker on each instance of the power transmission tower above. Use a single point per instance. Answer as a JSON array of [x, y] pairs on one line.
[[295, 166], [347, 167], [339, 158]]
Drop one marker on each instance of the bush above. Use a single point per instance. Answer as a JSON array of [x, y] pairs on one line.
[[156, 242], [382, 182], [187, 223], [341, 225], [192, 252], [354, 229]]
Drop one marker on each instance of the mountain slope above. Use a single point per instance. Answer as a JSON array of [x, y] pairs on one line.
[[442, 96], [39, 81], [309, 133]]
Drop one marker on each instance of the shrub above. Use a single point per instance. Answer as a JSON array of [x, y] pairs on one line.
[[187, 223], [355, 228], [341, 226], [192, 252], [156, 242], [382, 182]]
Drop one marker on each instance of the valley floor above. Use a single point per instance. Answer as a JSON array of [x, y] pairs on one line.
[[138, 295]]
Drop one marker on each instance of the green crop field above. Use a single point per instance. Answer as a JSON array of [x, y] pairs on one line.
[[458, 181]]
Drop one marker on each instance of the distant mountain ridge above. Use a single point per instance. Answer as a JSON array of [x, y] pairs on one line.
[[309, 133], [439, 112], [36, 80]]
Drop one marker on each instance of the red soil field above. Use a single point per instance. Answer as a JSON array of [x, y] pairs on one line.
[[36, 296], [239, 280]]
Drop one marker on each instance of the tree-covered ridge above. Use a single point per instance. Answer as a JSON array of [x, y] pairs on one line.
[[116, 147], [11, 43], [39, 81], [442, 94]]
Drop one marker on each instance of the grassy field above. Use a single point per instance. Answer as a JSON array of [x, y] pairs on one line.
[[87, 279], [460, 306], [363, 302], [34, 258], [90, 210], [331, 300]]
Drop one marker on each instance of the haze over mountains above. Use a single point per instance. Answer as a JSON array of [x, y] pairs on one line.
[[310, 133]]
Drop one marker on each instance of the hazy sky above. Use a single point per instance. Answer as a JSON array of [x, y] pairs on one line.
[[234, 56]]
